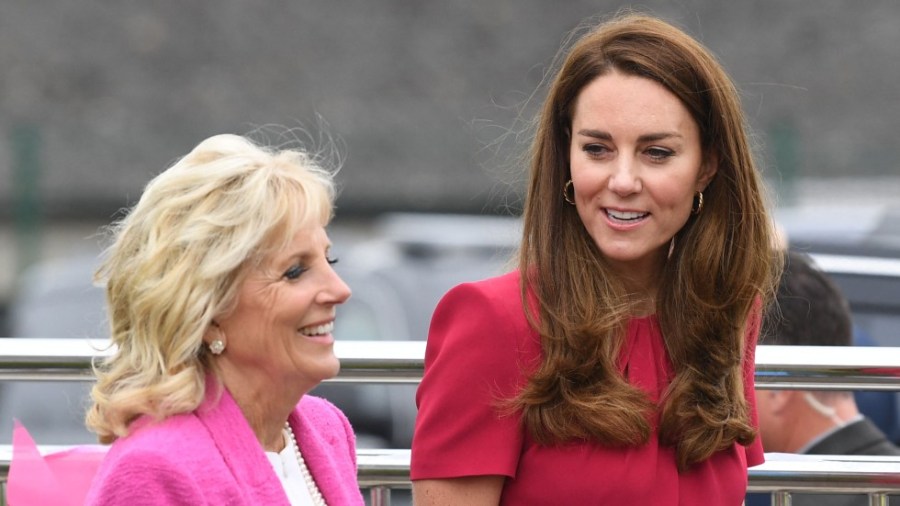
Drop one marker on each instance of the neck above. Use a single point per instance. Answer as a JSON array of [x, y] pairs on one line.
[[640, 279], [642, 292], [265, 408], [813, 421]]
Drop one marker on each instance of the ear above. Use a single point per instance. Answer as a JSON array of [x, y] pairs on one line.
[[212, 332], [707, 172]]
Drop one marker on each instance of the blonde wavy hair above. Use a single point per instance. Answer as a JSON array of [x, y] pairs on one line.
[[721, 264], [177, 260]]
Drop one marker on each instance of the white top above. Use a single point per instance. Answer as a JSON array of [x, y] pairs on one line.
[[286, 466]]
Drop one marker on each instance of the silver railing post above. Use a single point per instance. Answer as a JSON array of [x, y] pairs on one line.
[[781, 498], [380, 496], [878, 499]]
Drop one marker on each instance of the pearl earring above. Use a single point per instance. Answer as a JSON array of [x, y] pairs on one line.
[[217, 346]]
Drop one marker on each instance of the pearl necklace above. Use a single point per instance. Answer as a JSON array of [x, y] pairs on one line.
[[314, 492]]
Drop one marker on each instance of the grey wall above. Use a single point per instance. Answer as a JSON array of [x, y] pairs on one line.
[[420, 92]]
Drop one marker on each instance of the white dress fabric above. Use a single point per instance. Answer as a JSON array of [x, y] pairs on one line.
[[287, 468]]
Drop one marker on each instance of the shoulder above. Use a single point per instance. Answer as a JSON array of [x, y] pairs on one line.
[[140, 466], [479, 333], [155, 463], [859, 438], [493, 297], [496, 287], [157, 443], [130, 486], [479, 352], [329, 448], [182, 432], [327, 422], [321, 411]]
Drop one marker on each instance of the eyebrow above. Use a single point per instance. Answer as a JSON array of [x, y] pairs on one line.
[[606, 136], [304, 255]]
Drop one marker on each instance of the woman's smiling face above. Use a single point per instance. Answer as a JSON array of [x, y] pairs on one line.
[[281, 326], [636, 163]]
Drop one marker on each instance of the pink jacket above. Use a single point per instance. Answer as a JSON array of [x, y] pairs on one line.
[[211, 456]]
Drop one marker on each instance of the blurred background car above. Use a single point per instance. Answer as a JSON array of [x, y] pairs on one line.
[[859, 247]]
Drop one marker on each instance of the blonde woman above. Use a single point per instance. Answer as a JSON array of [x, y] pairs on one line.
[[222, 301], [615, 366]]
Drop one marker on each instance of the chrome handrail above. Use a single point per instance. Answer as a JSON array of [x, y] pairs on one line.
[[781, 472], [828, 367], [837, 474], [380, 470], [857, 265], [798, 367], [62, 359]]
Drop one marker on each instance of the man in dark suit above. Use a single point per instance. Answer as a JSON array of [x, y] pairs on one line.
[[810, 311]]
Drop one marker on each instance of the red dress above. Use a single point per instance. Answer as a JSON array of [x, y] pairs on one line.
[[480, 350]]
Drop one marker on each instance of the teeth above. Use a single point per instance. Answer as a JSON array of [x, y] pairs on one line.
[[625, 215], [318, 330]]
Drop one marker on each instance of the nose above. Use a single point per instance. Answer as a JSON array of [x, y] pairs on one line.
[[625, 178], [336, 291]]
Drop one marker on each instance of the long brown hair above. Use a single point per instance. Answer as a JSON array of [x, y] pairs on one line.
[[720, 264]]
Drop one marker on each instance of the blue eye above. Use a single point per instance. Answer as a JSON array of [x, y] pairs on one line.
[[294, 272], [659, 154], [595, 150]]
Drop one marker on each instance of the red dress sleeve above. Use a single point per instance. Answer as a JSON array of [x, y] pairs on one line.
[[472, 363], [754, 451]]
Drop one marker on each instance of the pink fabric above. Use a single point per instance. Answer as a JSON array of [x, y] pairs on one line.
[[481, 349], [211, 456], [57, 479]]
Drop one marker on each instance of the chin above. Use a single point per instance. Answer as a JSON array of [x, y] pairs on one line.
[[314, 372], [329, 369], [335, 370]]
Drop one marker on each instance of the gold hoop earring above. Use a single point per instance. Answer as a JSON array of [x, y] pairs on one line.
[[698, 203], [568, 185]]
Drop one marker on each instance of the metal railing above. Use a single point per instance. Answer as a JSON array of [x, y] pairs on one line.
[[781, 474], [798, 367], [36, 359], [785, 474], [777, 367]]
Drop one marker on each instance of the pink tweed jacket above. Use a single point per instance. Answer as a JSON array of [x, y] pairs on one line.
[[211, 456]]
